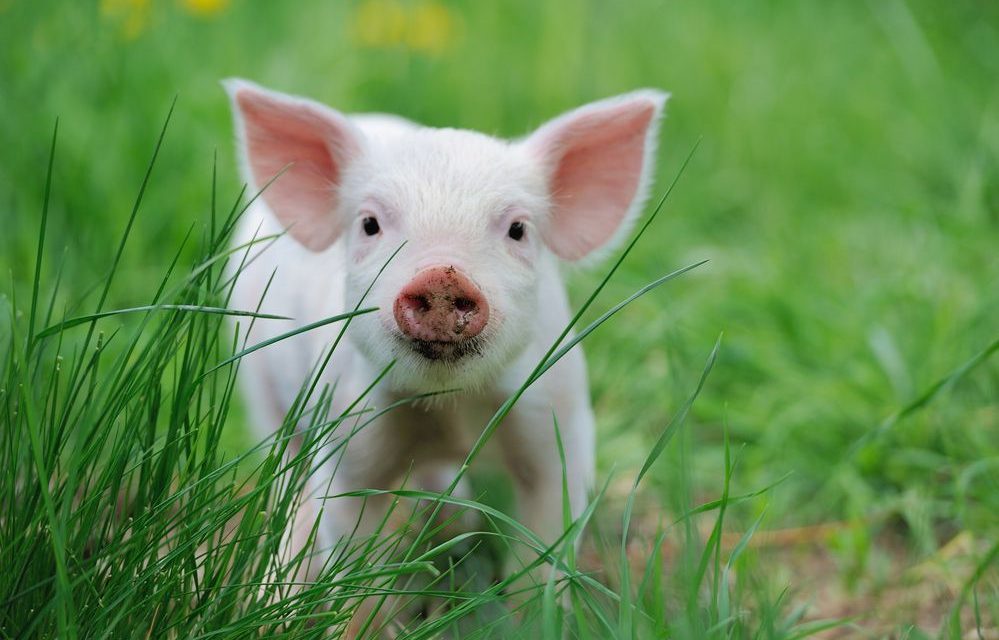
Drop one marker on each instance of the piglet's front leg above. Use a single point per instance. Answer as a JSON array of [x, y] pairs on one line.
[[531, 453]]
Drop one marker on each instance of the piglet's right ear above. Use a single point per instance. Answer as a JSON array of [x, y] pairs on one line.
[[305, 142]]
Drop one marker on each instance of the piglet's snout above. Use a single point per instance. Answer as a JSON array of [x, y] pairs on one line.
[[441, 304]]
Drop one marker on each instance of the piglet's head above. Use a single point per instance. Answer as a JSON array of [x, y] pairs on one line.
[[482, 222]]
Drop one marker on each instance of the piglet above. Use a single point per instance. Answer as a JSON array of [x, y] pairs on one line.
[[472, 301]]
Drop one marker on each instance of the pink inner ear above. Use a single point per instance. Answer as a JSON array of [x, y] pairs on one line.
[[599, 158], [310, 147]]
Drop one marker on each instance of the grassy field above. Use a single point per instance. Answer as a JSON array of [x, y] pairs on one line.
[[845, 190]]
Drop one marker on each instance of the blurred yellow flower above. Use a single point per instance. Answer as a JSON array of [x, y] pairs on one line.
[[204, 7], [431, 28], [426, 26], [132, 16], [380, 23]]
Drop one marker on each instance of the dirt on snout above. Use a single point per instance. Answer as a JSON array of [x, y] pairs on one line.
[[445, 291]]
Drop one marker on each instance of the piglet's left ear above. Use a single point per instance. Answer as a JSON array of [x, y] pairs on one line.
[[598, 161]]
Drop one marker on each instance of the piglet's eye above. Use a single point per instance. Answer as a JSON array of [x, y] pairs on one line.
[[370, 225], [516, 231]]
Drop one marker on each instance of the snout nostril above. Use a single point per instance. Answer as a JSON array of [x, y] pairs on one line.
[[465, 305], [417, 303]]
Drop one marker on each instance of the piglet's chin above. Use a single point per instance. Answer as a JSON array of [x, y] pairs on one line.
[[429, 365], [447, 352]]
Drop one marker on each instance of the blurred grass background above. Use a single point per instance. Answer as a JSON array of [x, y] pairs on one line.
[[846, 191]]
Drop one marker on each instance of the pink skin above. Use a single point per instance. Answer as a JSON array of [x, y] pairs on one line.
[[441, 305]]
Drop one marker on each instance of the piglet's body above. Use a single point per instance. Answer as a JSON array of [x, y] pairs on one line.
[[472, 301]]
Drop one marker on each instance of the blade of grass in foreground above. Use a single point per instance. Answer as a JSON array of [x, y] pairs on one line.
[[288, 334], [953, 626], [626, 628], [72, 322], [65, 607], [132, 217], [40, 248]]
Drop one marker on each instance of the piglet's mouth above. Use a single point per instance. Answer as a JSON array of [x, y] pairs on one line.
[[446, 350]]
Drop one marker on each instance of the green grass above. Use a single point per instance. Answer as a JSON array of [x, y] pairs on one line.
[[846, 193]]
